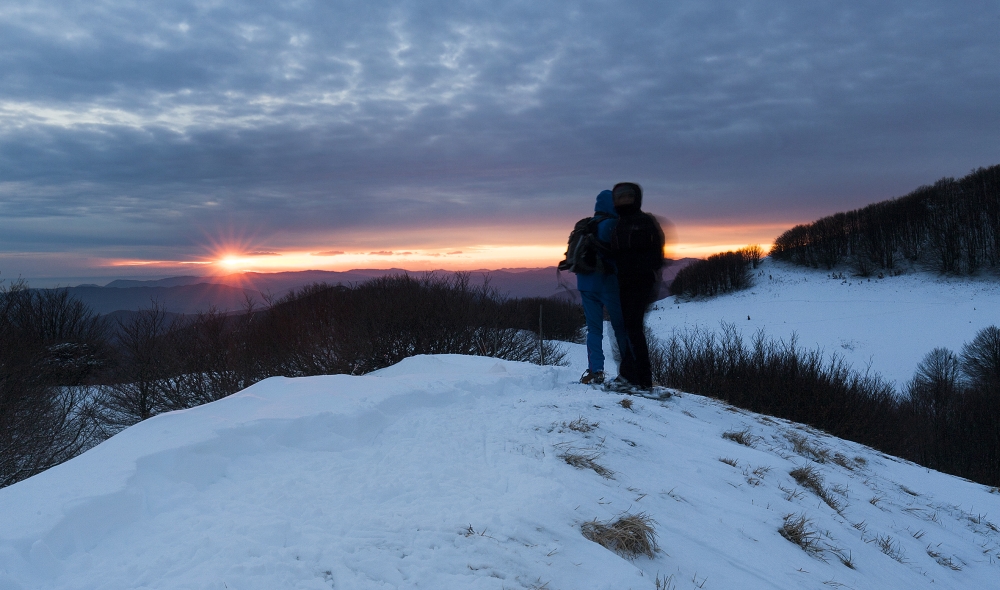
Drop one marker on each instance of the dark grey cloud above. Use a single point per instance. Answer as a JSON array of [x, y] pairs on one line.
[[149, 126]]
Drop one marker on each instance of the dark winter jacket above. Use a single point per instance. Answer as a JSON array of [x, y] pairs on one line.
[[605, 204], [637, 242]]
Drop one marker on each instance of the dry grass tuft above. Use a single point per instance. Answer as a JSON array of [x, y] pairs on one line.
[[581, 461], [890, 547], [798, 530], [755, 477], [744, 437], [666, 583], [581, 425], [625, 403], [630, 535], [804, 447], [843, 461], [808, 478], [908, 491], [846, 559], [790, 495], [728, 461], [942, 560]]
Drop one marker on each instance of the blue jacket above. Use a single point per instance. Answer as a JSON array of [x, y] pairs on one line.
[[605, 204]]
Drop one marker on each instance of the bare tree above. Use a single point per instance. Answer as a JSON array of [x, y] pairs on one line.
[[136, 392], [50, 344]]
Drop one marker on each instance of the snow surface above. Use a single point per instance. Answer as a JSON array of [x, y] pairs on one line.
[[887, 325], [445, 472]]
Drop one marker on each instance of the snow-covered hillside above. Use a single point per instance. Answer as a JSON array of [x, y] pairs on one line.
[[446, 472], [886, 324]]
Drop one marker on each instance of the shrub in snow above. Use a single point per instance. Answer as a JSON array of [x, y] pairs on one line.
[[780, 379], [981, 359], [936, 381], [630, 535]]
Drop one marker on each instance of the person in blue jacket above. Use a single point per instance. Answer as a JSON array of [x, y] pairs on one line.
[[599, 291]]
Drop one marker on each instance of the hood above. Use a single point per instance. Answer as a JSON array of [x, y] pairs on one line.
[[605, 204], [633, 207]]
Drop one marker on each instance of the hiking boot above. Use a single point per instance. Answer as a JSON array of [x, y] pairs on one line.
[[592, 377]]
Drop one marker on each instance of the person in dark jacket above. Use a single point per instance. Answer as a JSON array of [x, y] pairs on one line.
[[599, 291], [637, 252]]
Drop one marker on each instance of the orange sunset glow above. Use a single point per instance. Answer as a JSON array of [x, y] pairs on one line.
[[233, 255]]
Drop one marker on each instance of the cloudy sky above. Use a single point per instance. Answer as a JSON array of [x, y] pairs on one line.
[[142, 137]]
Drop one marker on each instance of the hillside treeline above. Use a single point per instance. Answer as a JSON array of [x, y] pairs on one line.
[[952, 226], [717, 274], [947, 417], [69, 378]]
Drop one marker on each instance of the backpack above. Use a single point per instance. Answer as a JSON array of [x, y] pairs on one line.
[[585, 254], [637, 243]]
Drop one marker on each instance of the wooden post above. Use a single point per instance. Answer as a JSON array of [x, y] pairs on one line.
[[541, 338]]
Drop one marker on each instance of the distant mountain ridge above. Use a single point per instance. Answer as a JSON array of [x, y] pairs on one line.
[[192, 294]]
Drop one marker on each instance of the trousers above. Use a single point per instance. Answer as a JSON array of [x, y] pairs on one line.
[[594, 304], [636, 292]]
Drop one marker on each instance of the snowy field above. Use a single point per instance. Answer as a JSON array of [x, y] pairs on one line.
[[445, 472], [887, 325]]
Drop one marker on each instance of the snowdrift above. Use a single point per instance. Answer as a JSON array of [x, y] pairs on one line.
[[450, 472]]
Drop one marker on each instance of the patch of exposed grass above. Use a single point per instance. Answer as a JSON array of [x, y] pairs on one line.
[[630, 535], [798, 530], [581, 424], [846, 559], [756, 476], [589, 461], [843, 461], [744, 437], [875, 500], [728, 461], [890, 547], [810, 479], [625, 403], [908, 491], [666, 583], [943, 561], [804, 447], [790, 495]]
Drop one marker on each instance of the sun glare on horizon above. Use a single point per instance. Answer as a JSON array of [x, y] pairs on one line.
[[237, 254]]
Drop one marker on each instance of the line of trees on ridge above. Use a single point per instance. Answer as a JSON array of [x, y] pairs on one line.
[[717, 274], [952, 226]]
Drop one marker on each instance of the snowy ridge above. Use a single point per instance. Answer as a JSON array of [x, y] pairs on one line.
[[445, 472]]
